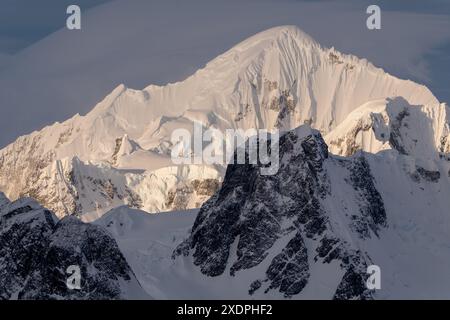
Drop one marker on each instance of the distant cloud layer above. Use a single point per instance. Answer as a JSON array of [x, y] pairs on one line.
[[143, 42]]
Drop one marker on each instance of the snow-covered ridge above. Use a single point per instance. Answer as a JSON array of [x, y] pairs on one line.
[[421, 131], [279, 78]]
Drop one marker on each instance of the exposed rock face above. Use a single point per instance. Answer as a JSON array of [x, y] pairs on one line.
[[36, 249], [286, 220], [372, 214], [427, 175], [180, 197]]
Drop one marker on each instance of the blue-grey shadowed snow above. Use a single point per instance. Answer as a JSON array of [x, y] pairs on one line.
[[142, 42]]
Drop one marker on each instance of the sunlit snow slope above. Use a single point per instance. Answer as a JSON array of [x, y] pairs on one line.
[[119, 153]]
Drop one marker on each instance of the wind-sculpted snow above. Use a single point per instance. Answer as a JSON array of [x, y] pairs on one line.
[[288, 214], [36, 250], [419, 130], [277, 79]]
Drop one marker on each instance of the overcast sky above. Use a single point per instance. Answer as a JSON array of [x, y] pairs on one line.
[[48, 73]]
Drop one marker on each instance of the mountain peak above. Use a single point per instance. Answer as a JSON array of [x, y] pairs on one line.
[[279, 78], [277, 33]]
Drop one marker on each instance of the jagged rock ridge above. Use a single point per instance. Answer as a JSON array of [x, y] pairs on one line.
[[258, 212], [36, 250], [308, 232]]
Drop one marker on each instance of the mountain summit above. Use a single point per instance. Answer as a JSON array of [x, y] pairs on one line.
[[119, 153]]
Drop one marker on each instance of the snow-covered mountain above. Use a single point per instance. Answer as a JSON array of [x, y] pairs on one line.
[[36, 250], [364, 179], [119, 153], [310, 231]]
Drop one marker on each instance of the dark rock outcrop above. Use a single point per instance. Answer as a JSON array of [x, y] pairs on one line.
[[267, 219], [36, 251]]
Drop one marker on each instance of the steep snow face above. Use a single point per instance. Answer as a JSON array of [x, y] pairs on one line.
[[279, 78], [308, 232], [36, 250]]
